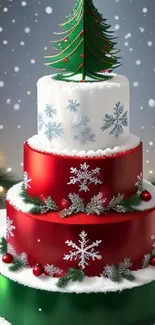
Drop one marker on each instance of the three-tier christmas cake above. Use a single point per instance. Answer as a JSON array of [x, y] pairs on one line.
[[79, 241]]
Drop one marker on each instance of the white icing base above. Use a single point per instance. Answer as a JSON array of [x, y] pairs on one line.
[[13, 196], [94, 100], [4, 322], [131, 143]]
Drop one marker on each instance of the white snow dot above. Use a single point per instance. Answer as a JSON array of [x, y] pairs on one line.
[[22, 164], [151, 172], [135, 84], [126, 43], [1, 127], [28, 92], [27, 30], [142, 127], [138, 62], [22, 43], [13, 21], [19, 126], [145, 10], [5, 9], [8, 101], [38, 240], [117, 26], [149, 43], [142, 29], [151, 102], [147, 161], [141, 107], [131, 49], [24, 3], [32, 61], [151, 143], [128, 36], [1, 83], [40, 309], [1, 29], [116, 17], [16, 69], [9, 169], [45, 48], [16, 107], [48, 10], [5, 42]]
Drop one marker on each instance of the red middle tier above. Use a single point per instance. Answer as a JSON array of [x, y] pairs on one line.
[[57, 175]]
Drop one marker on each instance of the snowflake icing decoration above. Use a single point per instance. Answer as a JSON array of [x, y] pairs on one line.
[[80, 120], [52, 270], [21, 257], [118, 120], [27, 180], [53, 130], [85, 136], [49, 111], [9, 228], [73, 105], [84, 177], [83, 252], [139, 184]]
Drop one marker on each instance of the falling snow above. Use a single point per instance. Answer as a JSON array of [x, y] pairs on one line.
[[27, 30], [16, 69], [138, 62], [32, 61], [145, 10], [151, 103], [5, 42], [24, 3], [48, 10], [1, 29], [149, 43], [16, 107], [1, 83]]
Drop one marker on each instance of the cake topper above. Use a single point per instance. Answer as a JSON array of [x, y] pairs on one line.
[[86, 48]]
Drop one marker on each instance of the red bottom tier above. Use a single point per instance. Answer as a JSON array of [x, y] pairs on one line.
[[87, 242]]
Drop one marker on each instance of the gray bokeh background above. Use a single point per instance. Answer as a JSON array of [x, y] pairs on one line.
[[25, 31]]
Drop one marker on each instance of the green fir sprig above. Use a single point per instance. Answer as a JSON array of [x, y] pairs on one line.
[[16, 265], [117, 272], [3, 246], [39, 206], [73, 275]]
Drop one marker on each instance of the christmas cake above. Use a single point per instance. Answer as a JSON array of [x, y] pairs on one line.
[[79, 240]]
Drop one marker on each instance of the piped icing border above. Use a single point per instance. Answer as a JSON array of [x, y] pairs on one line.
[[133, 142]]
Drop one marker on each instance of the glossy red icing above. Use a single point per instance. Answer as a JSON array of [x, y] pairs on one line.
[[43, 237], [50, 174]]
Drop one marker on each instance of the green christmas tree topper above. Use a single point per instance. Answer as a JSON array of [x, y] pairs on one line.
[[87, 46]]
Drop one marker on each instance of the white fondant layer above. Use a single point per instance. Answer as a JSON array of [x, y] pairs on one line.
[[13, 196], [133, 141], [89, 284], [4, 321], [71, 114]]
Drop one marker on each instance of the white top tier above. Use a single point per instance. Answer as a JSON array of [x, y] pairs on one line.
[[83, 115]]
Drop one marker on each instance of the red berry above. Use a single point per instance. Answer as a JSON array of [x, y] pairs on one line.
[[38, 270], [83, 56], [153, 261], [83, 32], [7, 258], [146, 196], [65, 204], [65, 60]]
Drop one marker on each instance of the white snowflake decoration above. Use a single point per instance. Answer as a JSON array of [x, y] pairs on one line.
[[27, 180], [53, 130], [52, 270], [80, 120], [73, 105], [117, 121], [85, 135], [21, 257], [48, 205], [84, 177], [83, 252], [139, 184], [9, 228]]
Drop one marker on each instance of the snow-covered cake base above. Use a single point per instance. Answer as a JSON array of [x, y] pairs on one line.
[[4, 322]]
